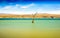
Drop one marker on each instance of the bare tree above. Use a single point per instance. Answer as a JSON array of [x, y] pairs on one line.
[[33, 17]]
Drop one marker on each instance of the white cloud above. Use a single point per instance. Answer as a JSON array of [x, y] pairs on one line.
[[27, 6], [42, 10], [54, 12], [50, 12], [17, 5], [18, 9], [7, 7], [11, 7]]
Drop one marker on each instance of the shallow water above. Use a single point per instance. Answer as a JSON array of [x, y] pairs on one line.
[[27, 29]]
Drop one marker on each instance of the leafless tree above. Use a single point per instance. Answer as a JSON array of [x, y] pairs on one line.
[[33, 17]]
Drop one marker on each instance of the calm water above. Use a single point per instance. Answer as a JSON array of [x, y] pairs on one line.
[[27, 29]]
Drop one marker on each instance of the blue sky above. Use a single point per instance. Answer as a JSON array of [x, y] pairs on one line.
[[29, 6]]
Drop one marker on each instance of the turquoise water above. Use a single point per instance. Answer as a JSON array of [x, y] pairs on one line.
[[29, 18], [27, 29], [28, 23]]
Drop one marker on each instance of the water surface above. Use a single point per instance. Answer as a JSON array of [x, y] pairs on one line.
[[27, 29]]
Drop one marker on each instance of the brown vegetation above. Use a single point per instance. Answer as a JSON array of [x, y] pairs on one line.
[[29, 16]]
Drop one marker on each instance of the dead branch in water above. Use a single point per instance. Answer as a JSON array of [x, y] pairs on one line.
[[33, 17]]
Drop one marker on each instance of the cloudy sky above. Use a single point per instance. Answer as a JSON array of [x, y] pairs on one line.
[[29, 6]]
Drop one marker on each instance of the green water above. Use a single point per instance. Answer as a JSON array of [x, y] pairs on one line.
[[27, 29]]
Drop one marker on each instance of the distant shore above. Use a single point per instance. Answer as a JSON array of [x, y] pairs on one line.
[[30, 16]]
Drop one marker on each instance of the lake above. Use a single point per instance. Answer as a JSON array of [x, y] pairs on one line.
[[27, 29]]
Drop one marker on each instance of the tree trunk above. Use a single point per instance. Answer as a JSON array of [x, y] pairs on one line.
[[33, 20]]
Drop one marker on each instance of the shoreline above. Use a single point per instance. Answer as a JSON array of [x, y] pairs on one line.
[[29, 18]]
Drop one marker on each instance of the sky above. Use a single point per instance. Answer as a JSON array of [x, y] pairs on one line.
[[29, 6]]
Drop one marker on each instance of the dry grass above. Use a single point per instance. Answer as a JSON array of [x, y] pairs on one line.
[[29, 16]]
